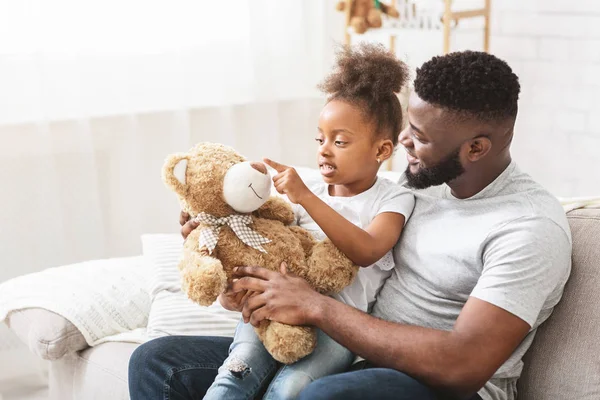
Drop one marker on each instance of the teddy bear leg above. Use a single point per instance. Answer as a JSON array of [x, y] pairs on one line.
[[286, 343], [359, 24], [203, 278], [374, 18], [329, 270]]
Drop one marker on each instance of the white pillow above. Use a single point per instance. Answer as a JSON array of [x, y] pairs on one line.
[[171, 312]]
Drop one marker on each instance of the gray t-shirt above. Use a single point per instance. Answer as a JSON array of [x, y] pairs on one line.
[[509, 245]]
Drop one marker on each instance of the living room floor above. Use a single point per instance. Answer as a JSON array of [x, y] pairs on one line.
[[24, 388]]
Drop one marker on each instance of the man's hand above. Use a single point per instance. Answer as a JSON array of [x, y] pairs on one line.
[[281, 297], [288, 182], [187, 224]]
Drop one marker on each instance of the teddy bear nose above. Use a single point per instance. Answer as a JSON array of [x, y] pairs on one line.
[[260, 167]]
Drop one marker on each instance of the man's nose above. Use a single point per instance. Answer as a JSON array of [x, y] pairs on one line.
[[260, 167], [405, 139]]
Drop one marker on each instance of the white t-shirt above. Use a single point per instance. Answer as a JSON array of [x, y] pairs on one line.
[[383, 196], [509, 245]]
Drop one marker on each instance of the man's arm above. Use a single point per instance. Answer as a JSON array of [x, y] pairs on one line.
[[459, 361]]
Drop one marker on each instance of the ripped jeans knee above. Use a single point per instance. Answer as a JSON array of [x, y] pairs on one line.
[[237, 367], [244, 374]]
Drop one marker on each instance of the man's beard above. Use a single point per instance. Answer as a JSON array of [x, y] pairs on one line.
[[445, 171]]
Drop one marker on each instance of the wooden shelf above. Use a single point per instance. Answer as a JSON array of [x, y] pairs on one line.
[[449, 20]]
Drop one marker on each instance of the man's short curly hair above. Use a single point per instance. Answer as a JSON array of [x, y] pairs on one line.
[[472, 83]]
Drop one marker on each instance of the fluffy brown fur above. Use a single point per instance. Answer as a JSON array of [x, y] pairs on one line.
[[364, 14], [205, 276]]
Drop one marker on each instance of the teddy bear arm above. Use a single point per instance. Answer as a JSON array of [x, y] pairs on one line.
[[276, 209], [328, 269], [203, 277], [389, 10]]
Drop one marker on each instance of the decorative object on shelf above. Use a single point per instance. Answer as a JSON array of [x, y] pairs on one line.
[[417, 14], [364, 14]]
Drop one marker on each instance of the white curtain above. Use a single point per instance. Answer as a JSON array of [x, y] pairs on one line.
[[94, 94]]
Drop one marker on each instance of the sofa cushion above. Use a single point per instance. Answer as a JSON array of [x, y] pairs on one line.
[[563, 361], [46, 334], [171, 312]]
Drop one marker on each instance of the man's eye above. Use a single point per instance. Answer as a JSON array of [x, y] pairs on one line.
[[340, 143], [417, 138], [320, 141]]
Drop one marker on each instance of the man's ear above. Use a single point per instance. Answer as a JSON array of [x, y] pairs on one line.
[[174, 172], [479, 148]]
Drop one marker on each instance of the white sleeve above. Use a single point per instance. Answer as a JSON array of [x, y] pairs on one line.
[[525, 266], [399, 200]]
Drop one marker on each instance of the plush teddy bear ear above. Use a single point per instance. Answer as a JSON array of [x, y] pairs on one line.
[[174, 172]]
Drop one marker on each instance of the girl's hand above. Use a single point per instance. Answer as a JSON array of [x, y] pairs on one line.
[[187, 224], [234, 301], [288, 182]]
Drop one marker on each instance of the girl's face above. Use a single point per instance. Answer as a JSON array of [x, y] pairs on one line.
[[348, 151]]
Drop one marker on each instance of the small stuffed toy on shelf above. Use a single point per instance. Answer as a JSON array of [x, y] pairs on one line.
[[365, 14], [241, 224]]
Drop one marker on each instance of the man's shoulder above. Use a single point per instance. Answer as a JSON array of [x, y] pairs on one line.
[[538, 205]]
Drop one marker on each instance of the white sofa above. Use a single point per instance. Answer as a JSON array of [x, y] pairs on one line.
[[76, 370]]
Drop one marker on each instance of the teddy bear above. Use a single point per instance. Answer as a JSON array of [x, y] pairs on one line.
[[241, 224], [365, 14]]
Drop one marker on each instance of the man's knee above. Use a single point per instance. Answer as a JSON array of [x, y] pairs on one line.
[[146, 358], [320, 389], [380, 383]]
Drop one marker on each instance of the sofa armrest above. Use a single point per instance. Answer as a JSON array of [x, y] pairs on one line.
[[48, 335]]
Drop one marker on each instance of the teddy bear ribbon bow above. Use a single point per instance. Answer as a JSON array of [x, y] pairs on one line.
[[209, 235]]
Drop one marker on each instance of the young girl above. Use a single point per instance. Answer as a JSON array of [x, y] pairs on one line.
[[363, 215]]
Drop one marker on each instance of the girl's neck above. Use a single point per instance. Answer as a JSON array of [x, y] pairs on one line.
[[351, 189]]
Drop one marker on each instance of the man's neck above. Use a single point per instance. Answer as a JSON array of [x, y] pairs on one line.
[[474, 181]]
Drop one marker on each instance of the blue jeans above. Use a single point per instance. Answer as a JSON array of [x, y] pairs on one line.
[[372, 383], [184, 367], [249, 368]]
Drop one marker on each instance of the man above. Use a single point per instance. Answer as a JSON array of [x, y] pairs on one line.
[[481, 264]]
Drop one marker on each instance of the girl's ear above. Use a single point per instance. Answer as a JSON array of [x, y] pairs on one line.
[[385, 150]]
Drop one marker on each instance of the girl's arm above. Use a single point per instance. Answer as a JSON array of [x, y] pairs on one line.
[[363, 247]]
